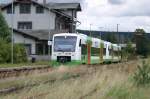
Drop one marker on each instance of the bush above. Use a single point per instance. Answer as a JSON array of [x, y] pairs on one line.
[[128, 53], [142, 45], [142, 76], [19, 53], [5, 33], [5, 53]]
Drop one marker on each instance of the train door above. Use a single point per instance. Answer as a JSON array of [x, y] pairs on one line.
[[83, 52], [79, 50], [101, 52]]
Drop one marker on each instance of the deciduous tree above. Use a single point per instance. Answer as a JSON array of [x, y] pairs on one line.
[[4, 29], [142, 42]]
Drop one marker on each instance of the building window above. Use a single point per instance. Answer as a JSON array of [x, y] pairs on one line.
[[25, 25], [28, 49], [25, 8], [39, 9], [9, 10]]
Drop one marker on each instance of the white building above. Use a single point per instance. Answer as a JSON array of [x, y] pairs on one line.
[[40, 21], [27, 40]]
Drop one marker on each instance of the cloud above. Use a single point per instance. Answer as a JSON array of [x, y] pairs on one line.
[[131, 14], [130, 8], [116, 2], [134, 8]]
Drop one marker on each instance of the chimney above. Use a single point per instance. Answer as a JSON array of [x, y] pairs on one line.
[[44, 2]]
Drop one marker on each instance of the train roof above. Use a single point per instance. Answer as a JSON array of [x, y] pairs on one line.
[[85, 36], [66, 34]]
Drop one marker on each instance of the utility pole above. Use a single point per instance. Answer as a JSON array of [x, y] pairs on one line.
[[100, 32], [72, 23], [12, 33], [49, 45], [90, 30], [49, 37], [118, 34]]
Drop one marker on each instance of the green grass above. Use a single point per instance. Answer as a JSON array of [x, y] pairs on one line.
[[58, 73], [28, 64], [75, 88], [68, 64], [102, 83], [127, 92], [35, 79]]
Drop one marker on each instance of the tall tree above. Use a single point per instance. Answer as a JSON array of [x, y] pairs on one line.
[[142, 42], [4, 29], [111, 38]]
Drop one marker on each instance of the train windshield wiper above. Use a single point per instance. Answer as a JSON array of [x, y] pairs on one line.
[[60, 50]]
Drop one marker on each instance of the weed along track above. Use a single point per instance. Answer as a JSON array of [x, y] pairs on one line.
[[24, 71], [59, 74], [15, 89], [29, 86], [16, 72], [92, 70]]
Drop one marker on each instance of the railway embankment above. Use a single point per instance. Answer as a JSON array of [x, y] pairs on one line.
[[21, 71], [60, 74]]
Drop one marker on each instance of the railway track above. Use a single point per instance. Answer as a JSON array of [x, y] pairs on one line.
[[126, 66], [5, 73], [19, 71], [16, 89]]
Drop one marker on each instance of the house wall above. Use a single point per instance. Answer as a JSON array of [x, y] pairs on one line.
[[20, 39], [42, 21]]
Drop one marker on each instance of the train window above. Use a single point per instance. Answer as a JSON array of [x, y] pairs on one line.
[[65, 44], [95, 51], [104, 51], [111, 52], [80, 43], [115, 53], [83, 49]]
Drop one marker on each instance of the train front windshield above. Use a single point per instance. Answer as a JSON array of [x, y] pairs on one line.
[[65, 43]]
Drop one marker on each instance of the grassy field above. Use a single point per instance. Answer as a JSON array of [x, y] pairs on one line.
[[113, 81]]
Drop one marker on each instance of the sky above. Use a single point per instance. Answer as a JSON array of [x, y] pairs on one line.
[[104, 15]]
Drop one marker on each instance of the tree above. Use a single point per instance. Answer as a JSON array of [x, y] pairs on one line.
[[140, 31], [129, 48], [4, 29], [5, 45], [142, 45], [5, 55], [111, 38], [128, 52]]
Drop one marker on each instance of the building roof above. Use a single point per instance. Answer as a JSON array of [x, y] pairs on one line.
[[76, 6], [54, 7], [24, 34], [3, 6], [43, 34]]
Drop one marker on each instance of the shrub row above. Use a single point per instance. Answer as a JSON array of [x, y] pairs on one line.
[[5, 53]]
